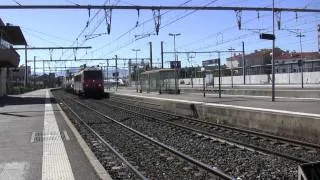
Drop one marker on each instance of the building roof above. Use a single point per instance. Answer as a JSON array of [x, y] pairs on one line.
[[298, 55], [12, 34], [235, 57], [158, 70]]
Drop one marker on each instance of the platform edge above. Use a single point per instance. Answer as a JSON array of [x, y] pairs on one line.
[[97, 166]]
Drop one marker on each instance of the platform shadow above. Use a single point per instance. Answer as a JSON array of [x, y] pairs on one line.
[[17, 100], [12, 114]]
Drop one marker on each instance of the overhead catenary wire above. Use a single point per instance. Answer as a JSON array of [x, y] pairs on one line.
[[222, 31], [97, 25], [120, 48], [127, 43], [227, 29], [85, 27], [133, 28], [46, 34], [130, 42], [237, 38]]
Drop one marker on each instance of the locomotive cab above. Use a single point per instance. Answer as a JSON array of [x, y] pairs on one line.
[[89, 82]]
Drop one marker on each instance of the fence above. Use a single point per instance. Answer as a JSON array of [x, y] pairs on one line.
[[263, 79]]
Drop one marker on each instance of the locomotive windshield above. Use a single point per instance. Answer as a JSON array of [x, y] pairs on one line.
[[89, 75]]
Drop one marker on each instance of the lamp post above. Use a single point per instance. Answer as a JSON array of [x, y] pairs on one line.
[[175, 58], [301, 61], [231, 59], [174, 44], [137, 67]]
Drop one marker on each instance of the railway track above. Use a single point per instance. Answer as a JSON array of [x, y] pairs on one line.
[[138, 155], [289, 148], [232, 158]]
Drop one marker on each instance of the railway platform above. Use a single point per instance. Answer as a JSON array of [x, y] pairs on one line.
[[37, 141], [286, 116], [308, 106]]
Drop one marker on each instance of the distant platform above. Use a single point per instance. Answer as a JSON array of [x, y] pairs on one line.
[[289, 104], [286, 116], [37, 141]]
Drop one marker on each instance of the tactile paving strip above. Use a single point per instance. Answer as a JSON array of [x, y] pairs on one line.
[[55, 162], [38, 137]]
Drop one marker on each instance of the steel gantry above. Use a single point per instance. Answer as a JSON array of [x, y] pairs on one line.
[[223, 8], [26, 48]]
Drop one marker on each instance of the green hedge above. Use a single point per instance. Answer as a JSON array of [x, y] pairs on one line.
[[21, 89]]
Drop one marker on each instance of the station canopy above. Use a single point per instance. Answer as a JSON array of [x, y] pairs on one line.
[[13, 35]]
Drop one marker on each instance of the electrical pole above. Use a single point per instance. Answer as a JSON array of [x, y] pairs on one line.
[[190, 61], [150, 44], [34, 71], [273, 54], [108, 73], [203, 70], [117, 78], [129, 67], [301, 65], [137, 68], [26, 68], [244, 64], [161, 54], [219, 63], [43, 74], [231, 60]]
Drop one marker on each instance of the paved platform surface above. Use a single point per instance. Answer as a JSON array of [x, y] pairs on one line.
[[36, 143], [295, 105]]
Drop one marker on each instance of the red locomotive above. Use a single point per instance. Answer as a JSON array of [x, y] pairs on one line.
[[89, 82]]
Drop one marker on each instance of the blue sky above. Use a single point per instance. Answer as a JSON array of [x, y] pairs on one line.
[[200, 30]]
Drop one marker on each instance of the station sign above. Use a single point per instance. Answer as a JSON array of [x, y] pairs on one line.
[[175, 64], [267, 36], [115, 74]]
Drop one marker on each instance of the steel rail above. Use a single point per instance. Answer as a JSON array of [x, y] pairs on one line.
[[217, 136], [106, 143], [88, 7], [237, 129], [213, 170]]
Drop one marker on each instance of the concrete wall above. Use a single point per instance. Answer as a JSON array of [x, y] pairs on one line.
[[279, 123], [3, 80], [285, 78]]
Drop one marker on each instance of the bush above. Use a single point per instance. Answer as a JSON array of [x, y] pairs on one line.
[[20, 89]]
